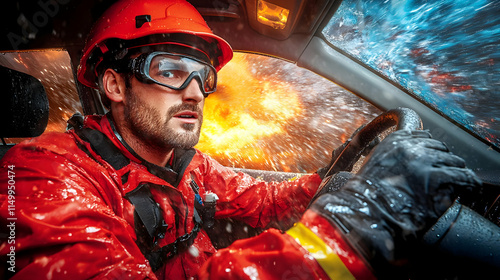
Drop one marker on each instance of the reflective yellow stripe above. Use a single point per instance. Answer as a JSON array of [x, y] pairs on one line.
[[324, 255]]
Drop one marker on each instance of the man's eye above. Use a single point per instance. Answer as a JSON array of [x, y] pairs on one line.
[[166, 74]]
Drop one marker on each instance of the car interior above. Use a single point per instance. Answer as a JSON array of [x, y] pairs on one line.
[[254, 27]]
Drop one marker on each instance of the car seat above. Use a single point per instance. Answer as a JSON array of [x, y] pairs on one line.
[[24, 107]]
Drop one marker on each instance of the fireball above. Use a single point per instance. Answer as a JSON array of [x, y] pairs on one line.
[[245, 111]]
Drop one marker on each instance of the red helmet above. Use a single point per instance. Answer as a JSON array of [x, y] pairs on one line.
[[133, 20]]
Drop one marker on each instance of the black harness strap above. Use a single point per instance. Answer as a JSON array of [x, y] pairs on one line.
[[99, 143], [158, 257], [105, 148], [148, 211]]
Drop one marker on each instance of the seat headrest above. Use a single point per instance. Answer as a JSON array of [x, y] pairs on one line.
[[24, 106]]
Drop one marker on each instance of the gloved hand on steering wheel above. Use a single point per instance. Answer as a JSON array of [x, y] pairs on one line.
[[404, 186]]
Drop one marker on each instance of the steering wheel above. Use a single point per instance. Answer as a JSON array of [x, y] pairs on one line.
[[362, 140], [480, 243]]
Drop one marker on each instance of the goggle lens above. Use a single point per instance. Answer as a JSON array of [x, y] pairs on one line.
[[177, 71]]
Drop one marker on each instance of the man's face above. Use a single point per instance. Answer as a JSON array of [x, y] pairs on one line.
[[164, 118]]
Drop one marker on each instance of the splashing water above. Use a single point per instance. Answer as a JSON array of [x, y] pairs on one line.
[[445, 52]]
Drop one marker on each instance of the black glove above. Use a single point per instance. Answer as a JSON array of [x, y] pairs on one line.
[[405, 184], [335, 183]]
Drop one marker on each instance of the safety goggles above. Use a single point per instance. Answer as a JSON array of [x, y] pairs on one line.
[[174, 71]]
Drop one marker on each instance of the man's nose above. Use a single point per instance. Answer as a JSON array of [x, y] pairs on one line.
[[193, 93]]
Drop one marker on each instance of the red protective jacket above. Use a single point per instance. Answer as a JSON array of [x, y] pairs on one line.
[[69, 218]]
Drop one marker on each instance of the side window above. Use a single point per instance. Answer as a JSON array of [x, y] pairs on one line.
[[270, 114], [53, 69]]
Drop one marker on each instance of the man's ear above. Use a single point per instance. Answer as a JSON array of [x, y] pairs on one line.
[[113, 85]]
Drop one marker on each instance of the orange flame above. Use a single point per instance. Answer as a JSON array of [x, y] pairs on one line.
[[243, 111]]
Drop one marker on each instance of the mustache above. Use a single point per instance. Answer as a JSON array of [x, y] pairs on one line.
[[184, 107]]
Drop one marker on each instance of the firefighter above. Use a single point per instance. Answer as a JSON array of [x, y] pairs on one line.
[[125, 195]]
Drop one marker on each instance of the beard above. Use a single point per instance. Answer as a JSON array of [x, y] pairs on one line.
[[146, 124]]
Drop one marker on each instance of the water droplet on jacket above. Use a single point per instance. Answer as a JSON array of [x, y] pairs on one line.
[[251, 272], [194, 251]]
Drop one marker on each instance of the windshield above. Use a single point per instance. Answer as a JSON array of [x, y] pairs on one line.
[[443, 52]]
